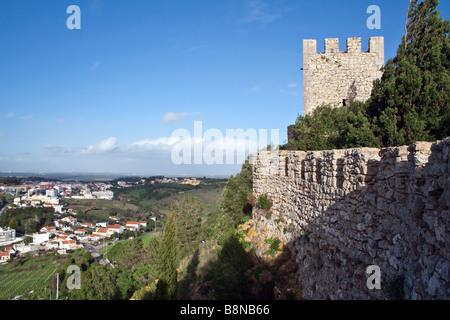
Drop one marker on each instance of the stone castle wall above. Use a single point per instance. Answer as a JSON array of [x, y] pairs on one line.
[[334, 76], [340, 211]]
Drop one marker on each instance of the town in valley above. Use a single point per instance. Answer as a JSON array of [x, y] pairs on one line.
[[66, 231]]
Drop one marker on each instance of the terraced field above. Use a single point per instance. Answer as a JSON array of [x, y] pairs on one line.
[[19, 279]]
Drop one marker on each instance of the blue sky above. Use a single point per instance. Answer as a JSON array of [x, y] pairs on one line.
[[107, 97]]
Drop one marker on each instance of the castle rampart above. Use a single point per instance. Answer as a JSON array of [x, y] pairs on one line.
[[340, 211], [336, 77]]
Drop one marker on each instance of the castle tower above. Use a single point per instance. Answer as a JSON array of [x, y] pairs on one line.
[[335, 77]]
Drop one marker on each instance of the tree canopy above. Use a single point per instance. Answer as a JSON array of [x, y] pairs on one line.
[[409, 103]]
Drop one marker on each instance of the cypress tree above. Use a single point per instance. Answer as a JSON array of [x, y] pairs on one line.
[[188, 218], [167, 286], [411, 101]]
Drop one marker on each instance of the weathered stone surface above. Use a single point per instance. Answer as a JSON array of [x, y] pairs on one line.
[[336, 77], [337, 225]]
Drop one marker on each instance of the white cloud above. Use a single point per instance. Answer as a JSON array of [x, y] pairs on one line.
[[27, 118], [95, 65], [255, 89], [10, 115], [1, 135], [103, 146], [96, 4], [56, 148], [259, 12], [289, 89], [171, 117], [163, 143]]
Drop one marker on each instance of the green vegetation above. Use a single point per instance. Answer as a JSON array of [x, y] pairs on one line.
[[25, 274], [227, 271], [200, 253], [159, 197], [27, 220], [333, 128], [274, 246], [188, 216], [92, 210], [264, 202], [409, 103], [232, 207], [167, 286], [135, 266]]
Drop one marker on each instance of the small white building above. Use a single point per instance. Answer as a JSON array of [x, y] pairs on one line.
[[39, 238], [132, 225], [51, 193], [7, 235], [68, 244], [80, 231], [115, 228], [71, 220], [4, 256], [59, 208], [50, 229], [100, 233], [102, 224], [24, 248]]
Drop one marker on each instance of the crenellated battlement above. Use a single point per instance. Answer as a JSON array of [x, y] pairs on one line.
[[353, 45], [340, 211], [336, 77]]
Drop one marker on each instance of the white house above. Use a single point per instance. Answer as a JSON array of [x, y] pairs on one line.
[[70, 219], [102, 224], [51, 193], [11, 250], [132, 225], [80, 231], [7, 235], [99, 234], [4, 256], [68, 244], [39, 238], [53, 244], [115, 228], [59, 208], [24, 248], [143, 223], [49, 229]]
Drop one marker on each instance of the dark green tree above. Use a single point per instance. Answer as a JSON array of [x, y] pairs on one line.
[[188, 218], [13, 223], [411, 101], [167, 287], [97, 283], [234, 195], [333, 128]]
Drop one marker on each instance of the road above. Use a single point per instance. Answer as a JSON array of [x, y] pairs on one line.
[[3, 208], [95, 253]]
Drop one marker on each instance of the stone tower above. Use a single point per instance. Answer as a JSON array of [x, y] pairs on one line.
[[335, 77]]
